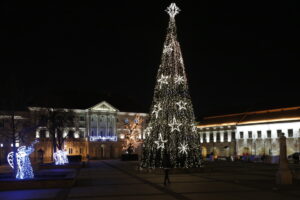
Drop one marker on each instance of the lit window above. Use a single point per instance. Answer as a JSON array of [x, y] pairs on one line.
[[126, 121]]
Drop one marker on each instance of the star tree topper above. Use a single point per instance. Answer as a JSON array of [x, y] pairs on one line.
[[160, 142], [174, 125], [183, 148], [172, 10]]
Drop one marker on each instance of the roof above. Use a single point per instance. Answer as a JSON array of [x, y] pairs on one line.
[[255, 117]]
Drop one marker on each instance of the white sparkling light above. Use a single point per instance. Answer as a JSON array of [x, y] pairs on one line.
[[160, 142], [163, 80], [172, 10], [174, 125], [183, 148], [103, 138], [179, 79]]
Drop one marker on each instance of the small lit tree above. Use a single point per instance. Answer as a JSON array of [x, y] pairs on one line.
[[132, 131]]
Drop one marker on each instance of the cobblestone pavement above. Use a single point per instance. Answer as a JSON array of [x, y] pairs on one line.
[[113, 179]]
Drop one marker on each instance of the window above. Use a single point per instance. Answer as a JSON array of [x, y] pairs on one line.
[[126, 121], [279, 133], [81, 118], [290, 132], [204, 137], [136, 121], [70, 150], [225, 137], [232, 136], [80, 151], [241, 134], [250, 134], [218, 137], [269, 134], [211, 137], [258, 134]]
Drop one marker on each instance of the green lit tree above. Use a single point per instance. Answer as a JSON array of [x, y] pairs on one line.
[[171, 131]]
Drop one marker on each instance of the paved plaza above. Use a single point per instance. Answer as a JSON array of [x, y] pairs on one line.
[[114, 179]]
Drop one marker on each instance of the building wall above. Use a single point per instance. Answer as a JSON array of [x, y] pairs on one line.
[[250, 139]]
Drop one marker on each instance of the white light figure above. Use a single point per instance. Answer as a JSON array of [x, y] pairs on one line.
[[160, 142], [174, 125], [60, 157], [24, 169], [181, 105], [183, 148], [179, 79], [156, 110], [163, 80], [172, 10]]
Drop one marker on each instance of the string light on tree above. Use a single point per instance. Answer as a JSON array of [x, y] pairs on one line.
[[175, 125], [163, 80], [181, 105], [147, 131], [160, 142], [183, 148]]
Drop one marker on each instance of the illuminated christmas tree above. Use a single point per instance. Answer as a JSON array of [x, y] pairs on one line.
[[171, 131]]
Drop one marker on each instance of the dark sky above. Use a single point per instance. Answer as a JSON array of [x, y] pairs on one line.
[[239, 55]]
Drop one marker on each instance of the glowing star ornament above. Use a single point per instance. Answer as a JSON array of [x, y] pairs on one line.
[[174, 125], [163, 80], [160, 142], [156, 110], [168, 49], [181, 105], [179, 79], [183, 148], [172, 10]]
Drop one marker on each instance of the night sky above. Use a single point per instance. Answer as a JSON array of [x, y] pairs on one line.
[[239, 55]]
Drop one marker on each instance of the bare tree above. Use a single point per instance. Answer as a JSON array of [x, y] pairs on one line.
[[132, 131], [57, 121]]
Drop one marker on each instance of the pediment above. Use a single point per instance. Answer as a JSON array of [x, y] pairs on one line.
[[104, 107]]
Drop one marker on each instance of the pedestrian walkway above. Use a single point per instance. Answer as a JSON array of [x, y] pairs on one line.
[[114, 179]]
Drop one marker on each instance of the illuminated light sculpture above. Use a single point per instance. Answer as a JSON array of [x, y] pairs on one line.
[[60, 157], [171, 114], [103, 138], [24, 169]]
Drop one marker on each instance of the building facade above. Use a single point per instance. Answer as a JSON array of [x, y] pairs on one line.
[[97, 132], [251, 133]]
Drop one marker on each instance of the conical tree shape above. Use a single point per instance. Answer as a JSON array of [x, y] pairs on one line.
[[171, 131]]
